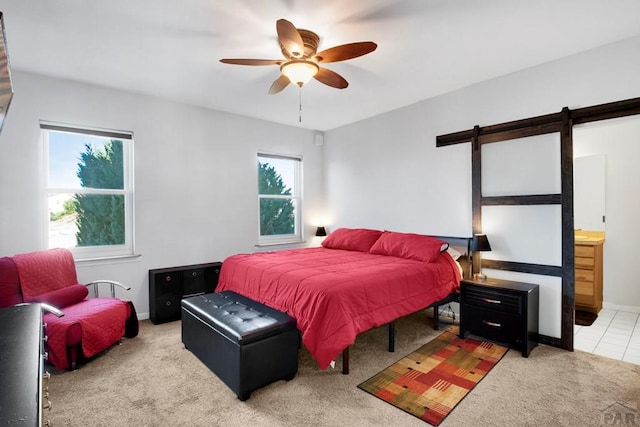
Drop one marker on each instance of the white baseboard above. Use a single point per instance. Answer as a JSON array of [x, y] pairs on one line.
[[629, 308]]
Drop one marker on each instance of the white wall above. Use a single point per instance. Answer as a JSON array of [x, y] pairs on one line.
[[195, 175], [386, 172]]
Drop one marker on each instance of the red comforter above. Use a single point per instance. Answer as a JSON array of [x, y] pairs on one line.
[[336, 294]]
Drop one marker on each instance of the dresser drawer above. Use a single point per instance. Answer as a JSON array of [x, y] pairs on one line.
[[165, 309], [584, 275], [167, 284], [585, 262], [193, 281], [584, 299], [497, 300], [584, 288], [585, 251]]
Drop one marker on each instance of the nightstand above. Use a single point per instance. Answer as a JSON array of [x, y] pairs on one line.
[[500, 310]]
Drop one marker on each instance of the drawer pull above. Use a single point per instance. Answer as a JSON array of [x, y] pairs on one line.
[[492, 301], [495, 325]]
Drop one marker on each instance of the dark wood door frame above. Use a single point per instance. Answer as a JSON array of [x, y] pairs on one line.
[[561, 122]]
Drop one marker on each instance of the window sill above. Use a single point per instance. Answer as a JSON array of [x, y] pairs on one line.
[[105, 259], [287, 243]]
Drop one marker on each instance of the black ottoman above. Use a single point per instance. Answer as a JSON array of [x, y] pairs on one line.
[[246, 344]]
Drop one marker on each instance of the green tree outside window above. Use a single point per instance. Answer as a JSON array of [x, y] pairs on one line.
[[277, 215], [100, 217]]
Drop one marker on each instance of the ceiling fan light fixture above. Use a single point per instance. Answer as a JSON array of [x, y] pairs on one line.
[[299, 71]]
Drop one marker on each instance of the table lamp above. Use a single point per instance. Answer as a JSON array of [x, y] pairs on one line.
[[480, 243]]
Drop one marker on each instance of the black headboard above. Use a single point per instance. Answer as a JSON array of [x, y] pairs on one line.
[[462, 245]]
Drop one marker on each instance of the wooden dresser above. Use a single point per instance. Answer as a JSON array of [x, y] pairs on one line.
[[589, 271]]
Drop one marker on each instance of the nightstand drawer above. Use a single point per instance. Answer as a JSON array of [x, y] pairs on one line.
[[497, 300], [494, 325]]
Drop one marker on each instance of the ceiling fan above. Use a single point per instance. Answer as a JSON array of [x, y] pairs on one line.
[[301, 61]]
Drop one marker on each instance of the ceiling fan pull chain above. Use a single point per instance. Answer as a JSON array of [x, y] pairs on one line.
[[299, 104]]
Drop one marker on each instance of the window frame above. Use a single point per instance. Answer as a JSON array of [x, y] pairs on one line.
[[296, 197], [87, 253]]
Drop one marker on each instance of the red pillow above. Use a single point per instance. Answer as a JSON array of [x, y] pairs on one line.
[[352, 239], [64, 297], [410, 246]]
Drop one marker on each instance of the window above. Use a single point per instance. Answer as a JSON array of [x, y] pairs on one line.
[[279, 198], [89, 191]]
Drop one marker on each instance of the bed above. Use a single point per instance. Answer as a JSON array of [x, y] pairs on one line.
[[359, 279]]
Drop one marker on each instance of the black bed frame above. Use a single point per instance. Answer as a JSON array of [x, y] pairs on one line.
[[462, 245]]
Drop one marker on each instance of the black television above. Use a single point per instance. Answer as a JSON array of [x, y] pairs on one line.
[[6, 87]]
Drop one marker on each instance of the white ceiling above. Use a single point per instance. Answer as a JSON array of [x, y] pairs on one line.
[[170, 48]]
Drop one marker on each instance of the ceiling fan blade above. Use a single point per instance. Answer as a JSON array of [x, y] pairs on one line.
[[279, 84], [346, 51], [252, 61], [290, 38], [331, 78]]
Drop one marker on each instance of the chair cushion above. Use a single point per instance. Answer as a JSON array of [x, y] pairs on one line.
[[64, 297], [102, 321], [9, 283]]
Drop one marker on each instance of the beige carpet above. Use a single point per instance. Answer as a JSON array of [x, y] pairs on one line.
[[152, 380]]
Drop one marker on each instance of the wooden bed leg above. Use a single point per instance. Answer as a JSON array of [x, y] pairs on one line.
[[345, 361], [392, 337], [436, 317]]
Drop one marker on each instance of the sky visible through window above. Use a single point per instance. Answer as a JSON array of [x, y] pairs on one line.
[[285, 168], [64, 154]]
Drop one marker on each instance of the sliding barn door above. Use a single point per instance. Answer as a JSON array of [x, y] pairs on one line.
[[519, 208]]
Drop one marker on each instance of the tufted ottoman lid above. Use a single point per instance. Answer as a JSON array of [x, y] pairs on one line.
[[237, 317]]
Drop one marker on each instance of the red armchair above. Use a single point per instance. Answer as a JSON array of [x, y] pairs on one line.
[[88, 326]]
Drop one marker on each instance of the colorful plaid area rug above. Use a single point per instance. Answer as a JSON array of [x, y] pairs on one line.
[[432, 380]]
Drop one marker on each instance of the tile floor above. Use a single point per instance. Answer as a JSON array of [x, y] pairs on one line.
[[614, 334]]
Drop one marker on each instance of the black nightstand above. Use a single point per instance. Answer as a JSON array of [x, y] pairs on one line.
[[500, 310]]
